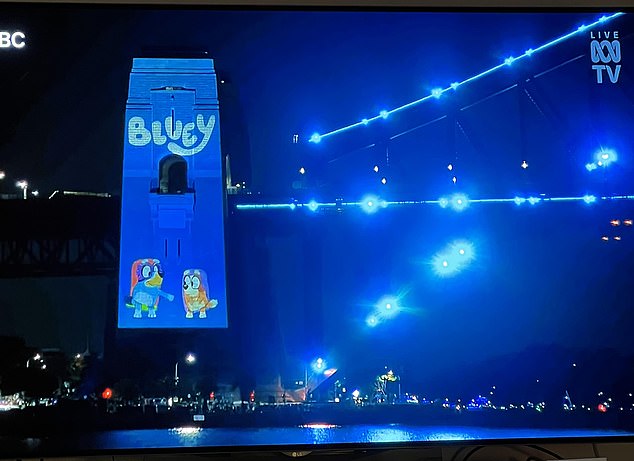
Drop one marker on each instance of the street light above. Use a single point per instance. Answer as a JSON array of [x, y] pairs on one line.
[[24, 185], [35, 357], [2, 174], [189, 359], [317, 366]]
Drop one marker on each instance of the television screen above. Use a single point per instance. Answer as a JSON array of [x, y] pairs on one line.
[[242, 228]]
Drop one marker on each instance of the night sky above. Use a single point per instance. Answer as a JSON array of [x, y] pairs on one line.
[[541, 275]]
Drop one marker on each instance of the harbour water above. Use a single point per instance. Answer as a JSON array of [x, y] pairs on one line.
[[314, 435]]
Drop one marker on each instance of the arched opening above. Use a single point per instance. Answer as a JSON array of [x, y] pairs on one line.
[[172, 175]]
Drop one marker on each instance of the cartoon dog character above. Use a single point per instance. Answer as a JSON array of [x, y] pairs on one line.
[[145, 287], [195, 293]]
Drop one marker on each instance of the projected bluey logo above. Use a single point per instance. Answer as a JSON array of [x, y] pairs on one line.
[[605, 52], [194, 137], [15, 39]]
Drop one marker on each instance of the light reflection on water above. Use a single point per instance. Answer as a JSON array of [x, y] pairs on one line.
[[315, 435], [187, 432]]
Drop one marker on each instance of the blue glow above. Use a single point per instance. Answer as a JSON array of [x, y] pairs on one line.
[[318, 365], [436, 92], [459, 202], [371, 203], [445, 265], [316, 138], [365, 121], [463, 250], [591, 166], [507, 62], [372, 321], [455, 257], [604, 157], [387, 307], [172, 238]]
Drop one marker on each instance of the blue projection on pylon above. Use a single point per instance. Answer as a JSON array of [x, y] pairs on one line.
[[172, 264]]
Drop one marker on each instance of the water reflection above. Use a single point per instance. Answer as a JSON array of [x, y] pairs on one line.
[[320, 433], [186, 433]]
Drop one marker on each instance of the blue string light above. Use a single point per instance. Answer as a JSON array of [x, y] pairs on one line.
[[437, 92], [443, 202]]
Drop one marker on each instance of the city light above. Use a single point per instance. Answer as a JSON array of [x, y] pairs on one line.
[[459, 202], [371, 204], [524, 164], [464, 250], [437, 91], [2, 174], [318, 365], [190, 359], [605, 157], [455, 257], [24, 185], [376, 168], [372, 321], [302, 170], [387, 307]]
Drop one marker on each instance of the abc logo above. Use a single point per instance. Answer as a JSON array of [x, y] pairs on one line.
[[12, 39]]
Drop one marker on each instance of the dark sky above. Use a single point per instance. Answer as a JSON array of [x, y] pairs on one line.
[[290, 73], [540, 275]]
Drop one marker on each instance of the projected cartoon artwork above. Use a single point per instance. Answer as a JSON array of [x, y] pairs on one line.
[[172, 197], [196, 293], [145, 287]]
